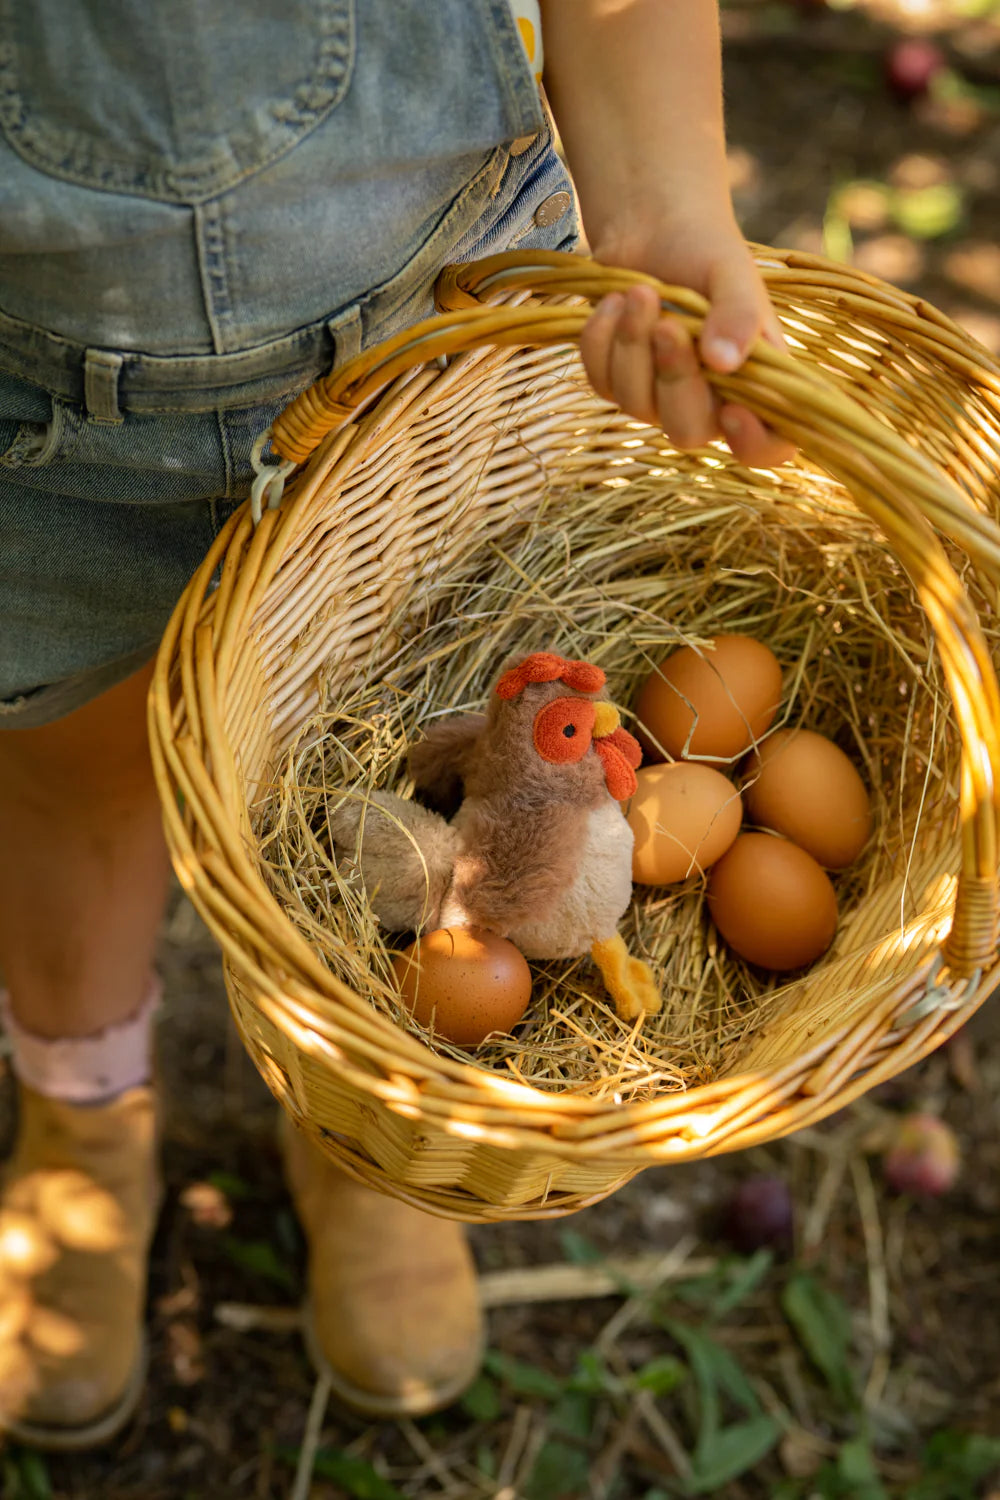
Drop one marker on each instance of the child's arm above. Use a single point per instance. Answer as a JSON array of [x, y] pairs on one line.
[[636, 89]]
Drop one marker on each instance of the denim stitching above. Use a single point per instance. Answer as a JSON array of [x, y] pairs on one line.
[[211, 251], [518, 82], [66, 154], [227, 456]]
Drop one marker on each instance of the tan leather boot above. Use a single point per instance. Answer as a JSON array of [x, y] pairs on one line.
[[78, 1207], [393, 1317]]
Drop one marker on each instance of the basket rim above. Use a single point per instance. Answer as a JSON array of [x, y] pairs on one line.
[[200, 645]]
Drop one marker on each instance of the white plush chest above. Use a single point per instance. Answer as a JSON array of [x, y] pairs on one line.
[[593, 903]]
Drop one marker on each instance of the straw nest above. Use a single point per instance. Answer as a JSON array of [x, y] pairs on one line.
[[619, 574]]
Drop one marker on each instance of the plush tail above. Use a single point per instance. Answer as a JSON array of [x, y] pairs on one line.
[[404, 853]]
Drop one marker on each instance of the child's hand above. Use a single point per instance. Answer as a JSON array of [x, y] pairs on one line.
[[646, 363], [636, 89]]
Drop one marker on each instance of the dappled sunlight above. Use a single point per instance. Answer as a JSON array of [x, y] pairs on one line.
[[53, 1333], [981, 325], [76, 1211], [26, 1246], [15, 1309], [892, 257], [975, 267]]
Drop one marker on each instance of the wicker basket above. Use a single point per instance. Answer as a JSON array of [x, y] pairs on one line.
[[425, 448]]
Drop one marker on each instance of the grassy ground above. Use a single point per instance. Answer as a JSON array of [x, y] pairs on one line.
[[633, 1351]]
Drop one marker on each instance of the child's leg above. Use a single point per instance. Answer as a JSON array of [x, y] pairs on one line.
[[83, 873], [83, 866]]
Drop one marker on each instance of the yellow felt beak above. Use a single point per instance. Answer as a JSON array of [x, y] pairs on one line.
[[606, 720]]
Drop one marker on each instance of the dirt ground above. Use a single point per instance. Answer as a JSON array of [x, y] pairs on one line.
[[866, 1364]]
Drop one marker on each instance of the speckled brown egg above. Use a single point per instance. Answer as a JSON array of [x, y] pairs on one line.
[[713, 701], [772, 902], [683, 817], [802, 785], [464, 982]]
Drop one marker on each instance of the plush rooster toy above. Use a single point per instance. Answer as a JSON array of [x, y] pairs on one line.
[[538, 850]]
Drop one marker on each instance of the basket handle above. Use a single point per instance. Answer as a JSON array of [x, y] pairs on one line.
[[466, 322], [895, 485]]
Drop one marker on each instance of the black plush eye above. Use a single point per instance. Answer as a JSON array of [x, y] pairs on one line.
[[569, 731]]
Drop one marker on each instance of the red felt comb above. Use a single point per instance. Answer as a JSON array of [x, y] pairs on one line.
[[545, 666]]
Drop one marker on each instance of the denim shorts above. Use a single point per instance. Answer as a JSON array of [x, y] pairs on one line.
[[163, 296]]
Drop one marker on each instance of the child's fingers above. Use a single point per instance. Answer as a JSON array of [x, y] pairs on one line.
[[685, 406], [738, 310], [596, 341], [649, 366], [751, 441], [631, 355]]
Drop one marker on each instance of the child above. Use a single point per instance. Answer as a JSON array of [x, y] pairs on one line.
[[200, 215]]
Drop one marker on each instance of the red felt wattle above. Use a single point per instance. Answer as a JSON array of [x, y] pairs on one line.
[[627, 744], [618, 773], [545, 666]]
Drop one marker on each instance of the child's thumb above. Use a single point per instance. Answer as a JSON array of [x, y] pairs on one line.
[[738, 308]]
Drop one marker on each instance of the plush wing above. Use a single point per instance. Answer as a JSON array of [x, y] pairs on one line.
[[512, 870], [404, 852], [438, 761]]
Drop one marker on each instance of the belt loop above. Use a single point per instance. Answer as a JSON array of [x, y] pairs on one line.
[[345, 330], [101, 369]]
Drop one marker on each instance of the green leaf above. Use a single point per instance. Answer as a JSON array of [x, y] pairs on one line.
[[560, 1471], [746, 1276], [261, 1258], [573, 1415], [822, 1325], [232, 1185], [955, 1464], [486, 1461], [732, 1452], [709, 1409], [578, 1250], [482, 1400], [716, 1374], [852, 1476], [838, 241], [856, 1467], [521, 1378], [32, 1477], [719, 1367], [661, 1375], [927, 213], [726, 1285], [355, 1476], [591, 1375]]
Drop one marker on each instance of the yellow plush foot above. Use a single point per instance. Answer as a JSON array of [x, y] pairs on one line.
[[628, 980]]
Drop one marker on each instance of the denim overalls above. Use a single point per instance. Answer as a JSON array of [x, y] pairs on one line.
[[204, 205]]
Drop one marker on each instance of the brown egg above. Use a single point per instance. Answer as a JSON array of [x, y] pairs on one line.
[[684, 817], [772, 903], [465, 982], [803, 786], [714, 701]]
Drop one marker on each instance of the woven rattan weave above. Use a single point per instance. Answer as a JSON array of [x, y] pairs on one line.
[[416, 458]]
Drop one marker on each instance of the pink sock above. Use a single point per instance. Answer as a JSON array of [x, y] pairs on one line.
[[85, 1069]]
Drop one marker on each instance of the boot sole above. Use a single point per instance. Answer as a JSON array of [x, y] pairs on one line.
[[369, 1404], [55, 1439]]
